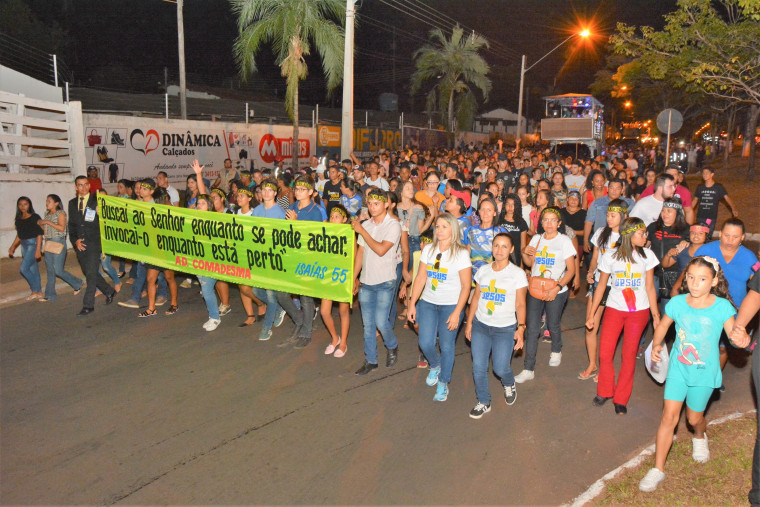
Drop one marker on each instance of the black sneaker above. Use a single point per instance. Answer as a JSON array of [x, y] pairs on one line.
[[302, 342], [391, 357], [366, 368], [480, 409], [510, 394]]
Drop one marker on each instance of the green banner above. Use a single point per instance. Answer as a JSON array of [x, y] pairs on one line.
[[310, 258]]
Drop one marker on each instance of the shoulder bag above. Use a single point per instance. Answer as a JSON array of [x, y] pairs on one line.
[[538, 286]]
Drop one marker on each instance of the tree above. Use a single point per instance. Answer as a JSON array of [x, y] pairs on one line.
[[290, 26], [456, 65], [704, 51]]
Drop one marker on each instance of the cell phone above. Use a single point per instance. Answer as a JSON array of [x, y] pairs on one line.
[[364, 211]]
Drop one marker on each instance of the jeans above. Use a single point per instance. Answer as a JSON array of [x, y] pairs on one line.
[[209, 296], [110, 270], [497, 342], [432, 321], [55, 265], [29, 268], [754, 493], [303, 317], [141, 281], [270, 298], [375, 301], [393, 312], [534, 309]]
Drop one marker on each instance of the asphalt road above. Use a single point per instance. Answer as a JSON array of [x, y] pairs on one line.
[[112, 409]]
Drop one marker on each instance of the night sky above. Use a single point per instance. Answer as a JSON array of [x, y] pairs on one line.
[[126, 45]]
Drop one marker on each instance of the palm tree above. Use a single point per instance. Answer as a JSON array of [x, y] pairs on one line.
[[290, 26], [456, 64]]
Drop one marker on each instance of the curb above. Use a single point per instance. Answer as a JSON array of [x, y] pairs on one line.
[[598, 487]]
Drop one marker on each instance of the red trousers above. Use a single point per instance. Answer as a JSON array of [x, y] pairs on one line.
[[632, 324]]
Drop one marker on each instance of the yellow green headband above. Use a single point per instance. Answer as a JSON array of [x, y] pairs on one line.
[[304, 184], [377, 197], [219, 192], [246, 192], [338, 210], [554, 211], [617, 209], [147, 185], [269, 185], [632, 229]]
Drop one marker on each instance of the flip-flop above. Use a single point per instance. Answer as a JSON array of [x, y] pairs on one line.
[[582, 375]]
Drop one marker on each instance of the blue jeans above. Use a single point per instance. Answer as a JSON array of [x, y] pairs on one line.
[[29, 268], [209, 296], [270, 298], [55, 265], [110, 270], [303, 317], [375, 301], [432, 320], [141, 282], [534, 309], [497, 342], [394, 304]]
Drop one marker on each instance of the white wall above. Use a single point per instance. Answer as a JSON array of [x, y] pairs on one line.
[[16, 82], [34, 186]]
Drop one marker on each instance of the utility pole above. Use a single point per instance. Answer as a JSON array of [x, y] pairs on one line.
[[393, 47], [520, 100], [347, 116], [181, 47]]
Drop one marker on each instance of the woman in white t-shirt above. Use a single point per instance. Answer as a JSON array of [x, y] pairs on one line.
[[496, 322], [632, 298], [602, 240], [442, 286], [549, 255]]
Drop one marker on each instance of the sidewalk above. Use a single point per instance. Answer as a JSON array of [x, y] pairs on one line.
[[13, 287]]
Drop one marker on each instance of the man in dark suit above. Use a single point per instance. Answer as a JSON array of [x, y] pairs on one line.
[[84, 233]]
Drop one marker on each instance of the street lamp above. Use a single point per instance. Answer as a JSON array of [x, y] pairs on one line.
[[584, 34]]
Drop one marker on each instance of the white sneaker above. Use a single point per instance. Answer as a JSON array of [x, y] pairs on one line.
[[524, 376], [186, 284], [651, 480], [555, 359], [211, 324], [699, 450]]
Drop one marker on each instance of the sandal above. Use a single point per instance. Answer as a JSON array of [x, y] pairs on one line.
[[585, 376], [246, 323], [172, 310], [148, 313]]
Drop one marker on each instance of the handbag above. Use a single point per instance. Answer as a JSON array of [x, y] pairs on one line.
[[53, 247], [539, 285], [93, 138]]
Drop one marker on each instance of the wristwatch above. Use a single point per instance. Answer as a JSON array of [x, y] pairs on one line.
[[560, 286]]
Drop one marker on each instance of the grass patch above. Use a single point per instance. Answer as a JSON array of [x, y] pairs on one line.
[[724, 480]]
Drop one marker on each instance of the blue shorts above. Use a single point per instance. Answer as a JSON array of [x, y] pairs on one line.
[[696, 397]]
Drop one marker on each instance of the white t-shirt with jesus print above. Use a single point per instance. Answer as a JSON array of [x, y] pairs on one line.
[[628, 280], [443, 285], [551, 256], [496, 306]]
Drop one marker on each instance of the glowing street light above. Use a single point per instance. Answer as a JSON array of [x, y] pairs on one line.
[[628, 104], [583, 34]]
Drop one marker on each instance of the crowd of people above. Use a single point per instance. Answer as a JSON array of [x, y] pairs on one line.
[[487, 240]]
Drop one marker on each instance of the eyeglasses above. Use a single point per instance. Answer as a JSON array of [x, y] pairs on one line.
[[433, 182], [437, 264]]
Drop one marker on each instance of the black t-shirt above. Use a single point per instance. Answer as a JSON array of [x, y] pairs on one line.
[[515, 228], [574, 220], [663, 240], [27, 228], [331, 195], [709, 198]]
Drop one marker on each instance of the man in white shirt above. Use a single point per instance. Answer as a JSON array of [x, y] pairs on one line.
[[162, 180], [575, 180], [648, 208], [375, 271], [374, 179]]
